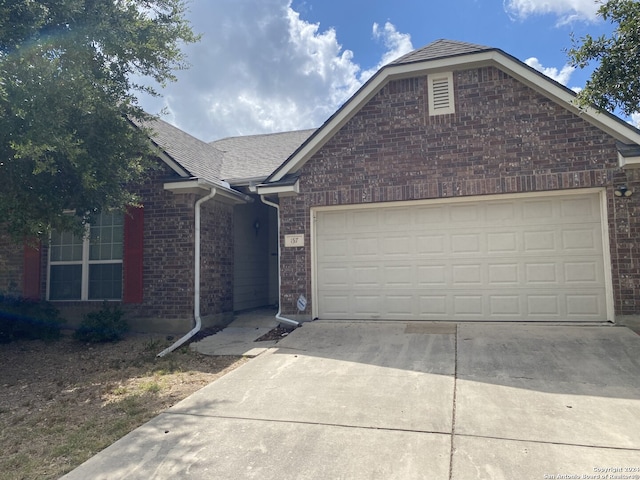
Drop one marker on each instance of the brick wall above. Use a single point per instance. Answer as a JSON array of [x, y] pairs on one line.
[[503, 138], [217, 258], [168, 251]]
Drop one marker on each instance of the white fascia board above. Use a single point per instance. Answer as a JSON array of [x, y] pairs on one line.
[[536, 80], [201, 187], [279, 190], [628, 162]]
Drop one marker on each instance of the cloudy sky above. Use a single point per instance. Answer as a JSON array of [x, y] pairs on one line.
[[273, 65]]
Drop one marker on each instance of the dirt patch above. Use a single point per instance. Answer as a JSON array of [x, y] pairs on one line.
[[62, 402]]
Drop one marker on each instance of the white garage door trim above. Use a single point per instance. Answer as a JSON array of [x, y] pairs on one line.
[[601, 192]]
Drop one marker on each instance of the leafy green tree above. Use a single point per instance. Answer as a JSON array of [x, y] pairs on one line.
[[70, 71], [615, 82]]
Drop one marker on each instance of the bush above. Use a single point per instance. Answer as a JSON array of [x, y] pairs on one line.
[[21, 318], [105, 325]]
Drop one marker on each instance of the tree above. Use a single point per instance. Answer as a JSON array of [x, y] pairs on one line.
[[615, 82], [70, 71]]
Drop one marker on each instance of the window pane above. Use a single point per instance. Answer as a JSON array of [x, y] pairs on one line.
[[65, 247], [105, 281], [65, 282], [106, 237]]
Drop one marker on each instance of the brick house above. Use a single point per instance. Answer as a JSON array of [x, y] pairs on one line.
[[460, 184], [456, 184]]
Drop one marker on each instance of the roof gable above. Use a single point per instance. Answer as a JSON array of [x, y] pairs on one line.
[[448, 55]]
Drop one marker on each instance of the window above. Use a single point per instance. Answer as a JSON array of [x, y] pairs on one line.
[[441, 94], [88, 268]]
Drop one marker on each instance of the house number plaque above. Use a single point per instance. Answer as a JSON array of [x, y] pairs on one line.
[[294, 240]]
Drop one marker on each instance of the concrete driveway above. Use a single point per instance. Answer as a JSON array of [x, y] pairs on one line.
[[382, 400]]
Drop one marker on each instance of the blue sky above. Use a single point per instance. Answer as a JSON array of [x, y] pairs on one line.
[[264, 66]]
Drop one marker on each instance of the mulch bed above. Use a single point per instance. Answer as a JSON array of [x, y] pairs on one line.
[[277, 333]]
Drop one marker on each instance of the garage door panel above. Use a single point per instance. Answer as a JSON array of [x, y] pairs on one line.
[[541, 273], [432, 215], [365, 248], [584, 306], [335, 277], [366, 276], [580, 240], [544, 306], [540, 241], [433, 275], [397, 245], [515, 259], [509, 306], [470, 274], [465, 243], [466, 214], [431, 244], [583, 272], [399, 276], [433, 307], [537, 209], [467, 305], [504, 274], [502, 242]]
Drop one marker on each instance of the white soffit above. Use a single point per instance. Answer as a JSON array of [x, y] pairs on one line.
[[527, 75]]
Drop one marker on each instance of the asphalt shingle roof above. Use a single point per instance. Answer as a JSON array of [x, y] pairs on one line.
[[197, 157], [256, 156], [439, 49]]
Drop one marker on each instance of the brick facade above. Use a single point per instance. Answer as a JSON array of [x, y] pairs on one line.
[[504, 138], [168, 266]]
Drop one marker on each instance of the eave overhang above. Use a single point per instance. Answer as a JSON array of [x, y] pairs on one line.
[[287, 187], [539, 82], [628, 156], [201, 187]]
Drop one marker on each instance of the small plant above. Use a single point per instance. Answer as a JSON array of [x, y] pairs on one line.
[[21, 318], [105, 325], [151, 387]]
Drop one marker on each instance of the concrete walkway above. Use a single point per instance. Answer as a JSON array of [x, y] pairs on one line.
[[239, 338], [382, 400]]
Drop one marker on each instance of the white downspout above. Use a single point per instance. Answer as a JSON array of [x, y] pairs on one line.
[[196, 279], [279, 314]]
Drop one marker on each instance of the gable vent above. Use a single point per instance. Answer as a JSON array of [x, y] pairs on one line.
[[441, 94]]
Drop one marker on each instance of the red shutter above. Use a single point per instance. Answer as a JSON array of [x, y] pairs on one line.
[[132, 260], [31, 271]]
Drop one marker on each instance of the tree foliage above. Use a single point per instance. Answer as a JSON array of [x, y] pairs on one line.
[[615, 82], [70, 73]]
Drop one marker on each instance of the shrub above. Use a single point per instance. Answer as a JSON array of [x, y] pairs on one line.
[[21, 318], [105, 325]]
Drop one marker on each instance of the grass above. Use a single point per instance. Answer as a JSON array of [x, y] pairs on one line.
[[62, 402]]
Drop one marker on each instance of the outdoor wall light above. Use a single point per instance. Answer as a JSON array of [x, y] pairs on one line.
[[622, 191], [256, 226]]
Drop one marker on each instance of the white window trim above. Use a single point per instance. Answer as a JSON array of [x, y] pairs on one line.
[[435, 83], [85, 262]]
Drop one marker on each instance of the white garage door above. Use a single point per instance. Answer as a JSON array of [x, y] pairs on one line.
[[534, 258]]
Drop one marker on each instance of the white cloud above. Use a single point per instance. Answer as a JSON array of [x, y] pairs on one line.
[[562, 76], [396, 43], [261, 68], [567, 11], [635, 119]]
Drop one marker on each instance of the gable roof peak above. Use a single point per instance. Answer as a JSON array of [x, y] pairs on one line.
[[439, 49]]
